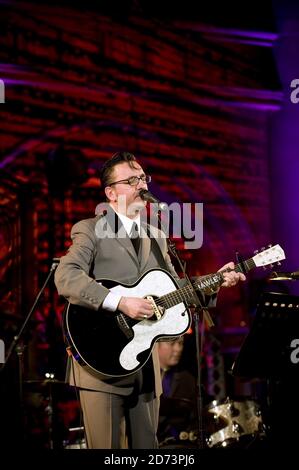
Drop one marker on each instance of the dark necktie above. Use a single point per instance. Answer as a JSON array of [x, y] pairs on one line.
[[134, 235]]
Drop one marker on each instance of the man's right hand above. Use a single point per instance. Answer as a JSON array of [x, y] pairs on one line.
[[136, 308]]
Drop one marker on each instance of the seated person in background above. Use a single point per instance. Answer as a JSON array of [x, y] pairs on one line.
[[178, 415]]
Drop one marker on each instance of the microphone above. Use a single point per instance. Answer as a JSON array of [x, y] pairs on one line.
[[284, 276], [55, 263], [149, 197]]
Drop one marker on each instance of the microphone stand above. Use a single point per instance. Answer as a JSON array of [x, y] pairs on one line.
[[20, 348], [199, 341]]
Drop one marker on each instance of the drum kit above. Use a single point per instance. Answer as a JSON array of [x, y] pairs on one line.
[[227, 424], [39, 395], [233, 423]]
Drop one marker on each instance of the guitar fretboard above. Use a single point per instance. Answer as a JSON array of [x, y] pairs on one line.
[[204, 284]]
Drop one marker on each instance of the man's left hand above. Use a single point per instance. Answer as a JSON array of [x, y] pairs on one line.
[[231, 278]]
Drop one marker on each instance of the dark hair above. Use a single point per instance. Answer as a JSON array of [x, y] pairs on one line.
[[107, 168]]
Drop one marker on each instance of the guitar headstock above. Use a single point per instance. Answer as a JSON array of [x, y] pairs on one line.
[[271, 255]]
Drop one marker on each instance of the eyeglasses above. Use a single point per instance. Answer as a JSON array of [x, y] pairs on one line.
[[134, 180]]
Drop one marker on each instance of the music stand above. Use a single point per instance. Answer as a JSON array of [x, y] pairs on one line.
[[266, 351], [268, 354]]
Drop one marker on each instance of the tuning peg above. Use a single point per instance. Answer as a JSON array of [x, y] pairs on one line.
[[271, 265], [264, 268], [263, 248], [256, 252], [270, 245], [278, 263]]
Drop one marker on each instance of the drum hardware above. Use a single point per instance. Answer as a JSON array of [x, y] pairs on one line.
[[188, 436], [18, 347], [76, 441], [234, 423], [44, 387], [185, 440]]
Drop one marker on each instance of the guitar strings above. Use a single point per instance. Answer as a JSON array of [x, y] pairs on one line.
[[183, 294]]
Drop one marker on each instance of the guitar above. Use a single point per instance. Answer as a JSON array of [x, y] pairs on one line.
[[115, 345]]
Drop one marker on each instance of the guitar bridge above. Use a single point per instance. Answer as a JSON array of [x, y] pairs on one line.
[[158, 310]]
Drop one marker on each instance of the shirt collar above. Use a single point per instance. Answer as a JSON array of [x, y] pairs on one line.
[[128, 223]]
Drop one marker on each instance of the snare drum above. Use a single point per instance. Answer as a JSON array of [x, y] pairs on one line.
[[233, 423]]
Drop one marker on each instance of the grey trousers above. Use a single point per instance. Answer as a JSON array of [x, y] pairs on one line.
[[119, 422]]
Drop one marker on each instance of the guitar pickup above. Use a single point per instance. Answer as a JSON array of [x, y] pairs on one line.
[[158, 310]]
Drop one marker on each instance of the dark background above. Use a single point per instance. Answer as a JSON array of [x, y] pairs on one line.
[[200, 93]]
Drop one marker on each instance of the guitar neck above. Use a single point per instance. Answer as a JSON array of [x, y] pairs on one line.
[[204, 284], [244, 266], [213, 281]]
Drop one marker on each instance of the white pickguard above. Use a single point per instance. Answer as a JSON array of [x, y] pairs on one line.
[[174, 321]]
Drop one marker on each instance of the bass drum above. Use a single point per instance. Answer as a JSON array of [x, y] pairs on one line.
[[234, 423]]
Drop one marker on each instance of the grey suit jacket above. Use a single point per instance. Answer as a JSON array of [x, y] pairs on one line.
[[94, 255]]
